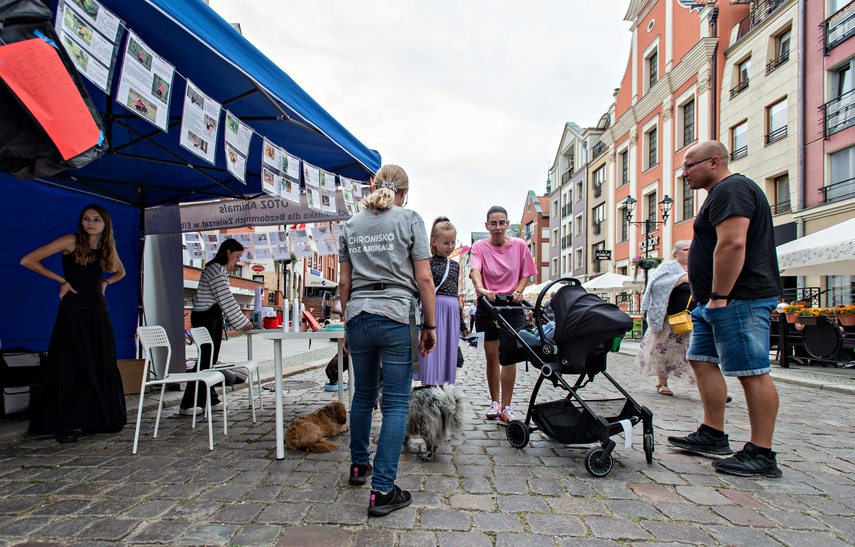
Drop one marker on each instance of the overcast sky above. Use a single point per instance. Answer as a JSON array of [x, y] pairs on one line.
[[470, 97]]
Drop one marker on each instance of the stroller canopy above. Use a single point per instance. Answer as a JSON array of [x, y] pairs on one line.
[[580, 315]]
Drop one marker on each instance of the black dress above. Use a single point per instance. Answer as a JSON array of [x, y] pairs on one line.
[[81, 388]]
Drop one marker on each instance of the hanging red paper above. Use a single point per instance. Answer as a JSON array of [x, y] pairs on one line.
[[35, 73]]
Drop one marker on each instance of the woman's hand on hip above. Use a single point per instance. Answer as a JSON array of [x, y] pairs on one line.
[[64, 289]]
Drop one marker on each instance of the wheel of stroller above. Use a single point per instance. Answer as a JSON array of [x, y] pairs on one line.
[[595, 465], [518, 434], [648, 447]]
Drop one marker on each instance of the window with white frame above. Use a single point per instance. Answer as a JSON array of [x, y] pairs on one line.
[[842, 183], [598, 216], [651, 65], [741, 73], [739, 140], [651, 145], [554, 269], [580, 190], [652, 206], [688, 201], [780, 50], [598, 180], [624, 168], [579, 258], [554, 238], [776, 121], [687, 112], [623, 232], [781, 188], [840, 109], [579, 225]]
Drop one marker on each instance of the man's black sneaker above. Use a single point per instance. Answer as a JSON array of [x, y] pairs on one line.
[[749, 463], [383, 504], [358, 473], [702, 443]]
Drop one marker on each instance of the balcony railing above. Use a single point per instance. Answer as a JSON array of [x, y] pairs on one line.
[[739, 153], [598, 227], [776, 62], [839, 27], [781, 207], [776, 135], [738, 89], [598, 149], [839, 113], [565, 176], [598, 189], [838, 191], [761, 12]]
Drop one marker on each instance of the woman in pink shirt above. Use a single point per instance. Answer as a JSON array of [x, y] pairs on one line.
[[499, 268]]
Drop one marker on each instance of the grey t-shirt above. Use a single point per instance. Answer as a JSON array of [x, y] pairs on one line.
[[381, 247]]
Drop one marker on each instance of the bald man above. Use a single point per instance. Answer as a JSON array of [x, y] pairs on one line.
[[733, 271]]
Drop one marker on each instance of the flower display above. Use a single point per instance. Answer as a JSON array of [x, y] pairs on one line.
[[845, 310], [639, 262]]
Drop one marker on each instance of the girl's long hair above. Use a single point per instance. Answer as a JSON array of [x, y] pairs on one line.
[[383, 198], [441, 224], [84, 254], [222, 256]]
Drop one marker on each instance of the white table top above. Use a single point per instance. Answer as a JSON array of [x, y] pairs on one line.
[[274, 334]]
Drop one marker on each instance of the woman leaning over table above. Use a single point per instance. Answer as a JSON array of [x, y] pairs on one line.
[[81, 387], [385, 267]]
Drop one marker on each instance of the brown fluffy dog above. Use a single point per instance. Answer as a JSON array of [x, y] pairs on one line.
[[309, 432]]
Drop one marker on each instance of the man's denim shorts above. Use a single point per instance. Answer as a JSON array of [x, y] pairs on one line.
[[736, 336]]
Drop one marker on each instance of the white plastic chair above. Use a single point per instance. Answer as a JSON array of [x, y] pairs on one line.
[[201, 336], [155, 337]]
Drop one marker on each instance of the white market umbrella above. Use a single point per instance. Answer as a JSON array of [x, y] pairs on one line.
[[826, 252], [608, 281], [532, 291]]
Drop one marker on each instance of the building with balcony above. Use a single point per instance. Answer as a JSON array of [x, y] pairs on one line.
[[598, 205], [668, 100], [536, 233], [827, 187], [760, 103]]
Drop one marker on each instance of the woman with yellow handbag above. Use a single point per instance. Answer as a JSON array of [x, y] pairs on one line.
[[666, 304]]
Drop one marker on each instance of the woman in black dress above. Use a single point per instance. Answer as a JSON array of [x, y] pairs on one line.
[[81, 387]]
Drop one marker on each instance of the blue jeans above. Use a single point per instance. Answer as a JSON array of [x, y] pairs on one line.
[[374, 339], [735, 336]]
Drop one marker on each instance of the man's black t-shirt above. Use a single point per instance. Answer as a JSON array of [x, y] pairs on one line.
[[760, 277]]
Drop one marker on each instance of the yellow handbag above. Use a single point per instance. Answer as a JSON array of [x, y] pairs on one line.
[[681, 323]]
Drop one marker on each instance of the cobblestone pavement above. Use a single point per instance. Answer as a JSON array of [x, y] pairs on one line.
[[478, 491]]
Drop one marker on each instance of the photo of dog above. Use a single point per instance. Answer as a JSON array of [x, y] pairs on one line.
[[310, 432], [436, 413]]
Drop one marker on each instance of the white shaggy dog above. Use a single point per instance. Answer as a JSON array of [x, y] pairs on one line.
[[436, 413]]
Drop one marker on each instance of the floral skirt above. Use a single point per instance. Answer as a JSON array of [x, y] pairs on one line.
[[663, 354]]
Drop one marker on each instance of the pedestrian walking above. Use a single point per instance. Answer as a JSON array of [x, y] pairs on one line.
[[733, 272]]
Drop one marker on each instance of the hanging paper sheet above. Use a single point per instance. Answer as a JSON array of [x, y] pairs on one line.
[[145, 84], [236, 143], [200, 123], [91, 35]]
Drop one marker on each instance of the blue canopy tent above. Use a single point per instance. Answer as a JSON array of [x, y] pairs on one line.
[[146, 167]]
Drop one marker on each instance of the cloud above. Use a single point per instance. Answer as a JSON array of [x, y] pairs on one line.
[[470, 98]]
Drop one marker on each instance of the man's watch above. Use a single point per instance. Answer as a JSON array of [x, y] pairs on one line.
[[715, 296]]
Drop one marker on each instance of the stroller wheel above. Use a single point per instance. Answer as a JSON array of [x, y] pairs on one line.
[[648, 447], [596, 464], [518, 434]]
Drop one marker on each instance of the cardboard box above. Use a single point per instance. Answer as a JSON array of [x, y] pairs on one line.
[[132, 371]]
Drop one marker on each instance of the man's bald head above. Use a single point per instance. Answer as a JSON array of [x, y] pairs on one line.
[[707, 149]]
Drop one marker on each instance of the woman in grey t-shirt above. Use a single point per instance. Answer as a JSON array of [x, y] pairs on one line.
[[384, 257]]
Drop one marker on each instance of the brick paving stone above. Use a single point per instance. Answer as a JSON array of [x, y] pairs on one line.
[[504, 485], [793, 519], [62, 507], [517, 504], [208, 534], [744, 499], [195, 510], [469, 539], [844, 525], [556, 525], [616, 528], [703, 495], [824, 505], [634, 509], [498, 522], [416, 539], [402, 519], [431, 500], [682, 533], [114, 529], [374, 537], [546, 487], [447, 520], [336, 513], [311, 495], [256, 534], [315, 536], [473, 502], [42, 488], [783, 501], [263, 493], [578, 506], [150, 509], [227, 492], [664, 477], [742, 516], [689, 513], [576, 487], [473, 485], [445, 485], [65, 528], [283, 513], [238, 513], [787, 487], [740, 535], [655, 493], [795, 538], [22, 527], [19, 504], [523, 540], [593, 542], [711, 479]]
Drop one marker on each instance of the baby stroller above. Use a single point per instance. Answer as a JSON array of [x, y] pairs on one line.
[[586, 330]]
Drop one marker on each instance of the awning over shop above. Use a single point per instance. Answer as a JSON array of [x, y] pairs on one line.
[[314, 279], [826, 252]]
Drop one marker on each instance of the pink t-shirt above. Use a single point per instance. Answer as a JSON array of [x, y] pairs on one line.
[[502, 267]]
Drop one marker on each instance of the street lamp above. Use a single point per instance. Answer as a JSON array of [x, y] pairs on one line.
[[650, 225]]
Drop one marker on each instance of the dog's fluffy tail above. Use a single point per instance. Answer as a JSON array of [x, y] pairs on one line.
[[324, 445], [454, 398]]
